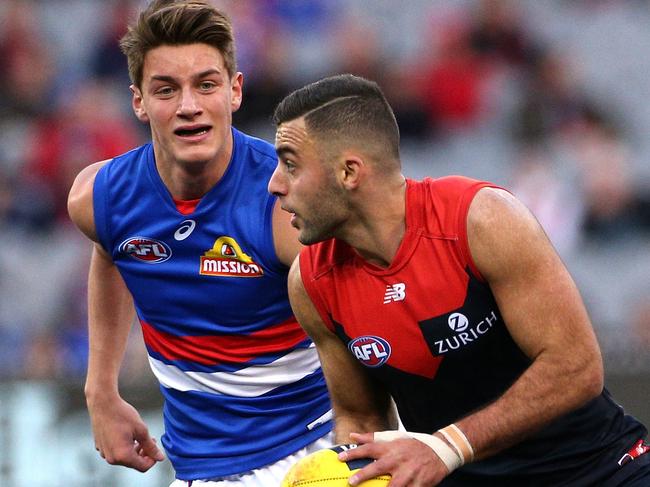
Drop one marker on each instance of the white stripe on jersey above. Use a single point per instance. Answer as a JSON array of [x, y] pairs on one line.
[[251, 381]]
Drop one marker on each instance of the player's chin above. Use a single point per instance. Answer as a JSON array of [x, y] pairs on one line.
[[304, 237], [196, 154], [308, 238]]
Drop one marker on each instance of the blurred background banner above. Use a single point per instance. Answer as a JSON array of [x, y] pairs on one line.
[[548, 98]]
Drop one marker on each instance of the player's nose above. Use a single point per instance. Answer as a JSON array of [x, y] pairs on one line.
[[277, 185], [188, 105]]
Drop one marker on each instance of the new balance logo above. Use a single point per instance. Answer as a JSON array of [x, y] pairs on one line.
[[395, 292]]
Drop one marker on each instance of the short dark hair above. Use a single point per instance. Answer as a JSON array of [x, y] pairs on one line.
[[344, 107], [177, 22]]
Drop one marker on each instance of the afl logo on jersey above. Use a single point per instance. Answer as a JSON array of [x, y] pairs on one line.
[[371, 351], [146, 249]]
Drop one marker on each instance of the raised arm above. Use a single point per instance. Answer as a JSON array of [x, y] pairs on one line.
[[121, 437], [359, 404], [545, 315]]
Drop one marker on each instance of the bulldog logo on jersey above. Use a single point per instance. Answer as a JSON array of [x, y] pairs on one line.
[[146, 250], [370, 350], [226, 258]]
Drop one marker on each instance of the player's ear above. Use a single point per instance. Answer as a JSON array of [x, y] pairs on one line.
[[236, 85], [351, 170], [138, 105]]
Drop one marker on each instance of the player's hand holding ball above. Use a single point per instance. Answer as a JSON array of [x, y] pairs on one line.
[[409, 459]]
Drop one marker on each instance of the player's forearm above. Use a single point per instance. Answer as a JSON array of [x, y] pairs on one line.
[[363, 413], [110, 316], [550, 388], [361, 423], [106, 351]]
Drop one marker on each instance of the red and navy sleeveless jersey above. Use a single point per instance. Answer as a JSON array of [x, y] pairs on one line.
[[241, 381], [429, 328]]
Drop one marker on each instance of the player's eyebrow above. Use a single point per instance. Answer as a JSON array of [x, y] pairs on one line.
[[208, 72], [164, 78], [171, 79], [284, 150]]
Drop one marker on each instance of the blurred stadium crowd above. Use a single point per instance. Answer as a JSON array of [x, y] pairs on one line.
[[546, 97]]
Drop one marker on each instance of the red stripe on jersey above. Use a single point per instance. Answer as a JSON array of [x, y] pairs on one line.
[[214, 349]]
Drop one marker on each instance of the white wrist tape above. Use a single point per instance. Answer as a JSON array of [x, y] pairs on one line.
[[390, 435], [451, 460], [459, 441]]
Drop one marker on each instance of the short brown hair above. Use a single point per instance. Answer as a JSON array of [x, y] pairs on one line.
[[177, 22], [344, 108]]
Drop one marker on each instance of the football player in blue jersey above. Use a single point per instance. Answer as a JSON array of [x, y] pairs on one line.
[[186, 234]]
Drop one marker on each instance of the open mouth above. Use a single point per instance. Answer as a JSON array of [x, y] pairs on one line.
[[193, 131]]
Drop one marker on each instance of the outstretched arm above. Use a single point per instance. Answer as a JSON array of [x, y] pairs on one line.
[[359, 404], [121, 437], [545, 315]]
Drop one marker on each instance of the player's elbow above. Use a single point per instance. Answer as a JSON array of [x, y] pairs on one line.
[[590, 377], [596, 381]]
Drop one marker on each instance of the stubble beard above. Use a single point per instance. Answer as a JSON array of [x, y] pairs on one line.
[[327, 216], [314, 232]]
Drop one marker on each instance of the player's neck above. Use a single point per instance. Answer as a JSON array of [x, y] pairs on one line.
[[380, 229], [191, 180]]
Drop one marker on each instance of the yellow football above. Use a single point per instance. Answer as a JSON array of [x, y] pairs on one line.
[[323, 468]]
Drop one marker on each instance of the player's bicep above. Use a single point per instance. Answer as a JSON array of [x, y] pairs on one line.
[[330, 348], [107, 293], [302, 306], [537, 297], [80, 200], [358, 401]]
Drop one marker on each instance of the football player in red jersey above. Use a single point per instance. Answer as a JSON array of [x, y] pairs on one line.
[[446, 296]]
